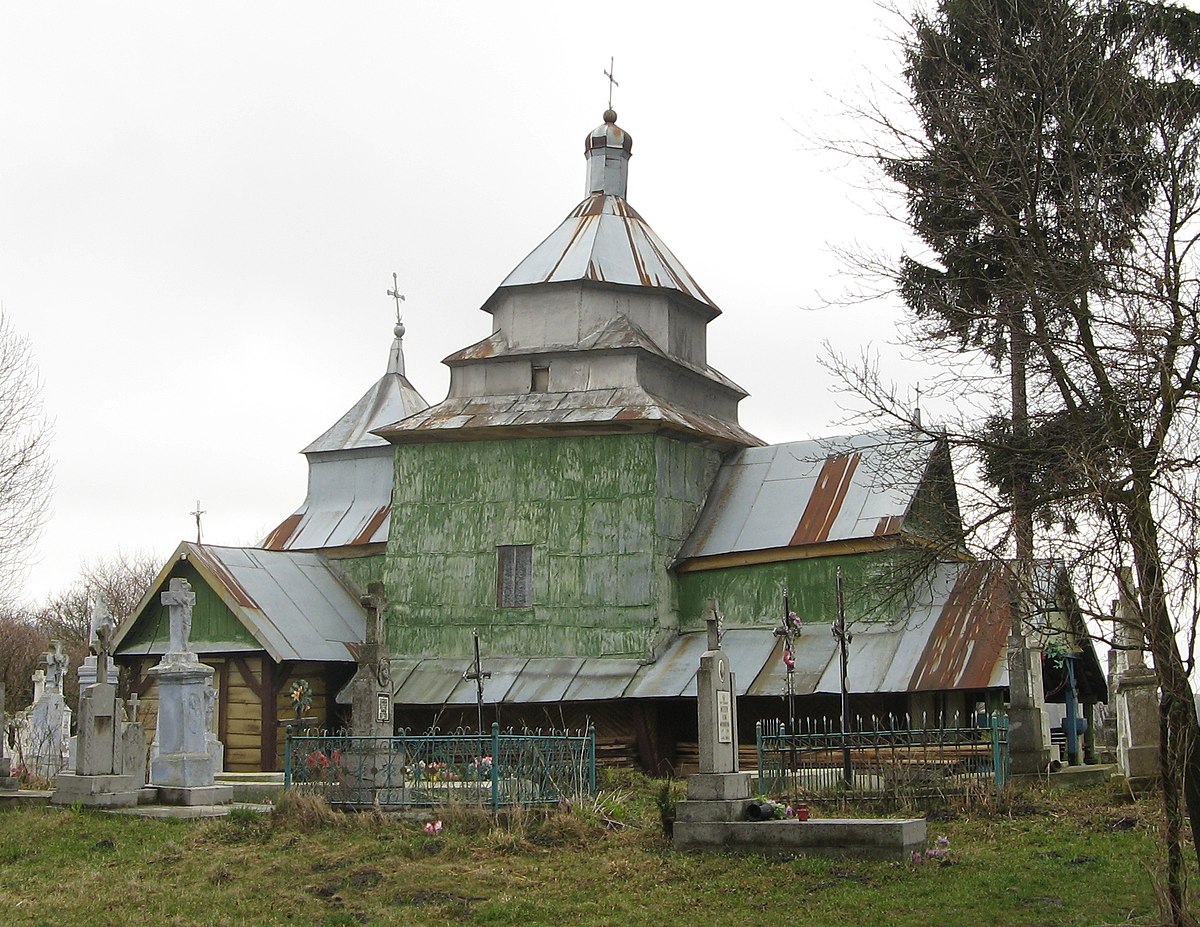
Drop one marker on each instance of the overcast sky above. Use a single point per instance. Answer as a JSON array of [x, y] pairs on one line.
[[202, 206]]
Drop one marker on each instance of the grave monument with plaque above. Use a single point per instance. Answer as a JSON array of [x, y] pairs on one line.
[[182, 772]]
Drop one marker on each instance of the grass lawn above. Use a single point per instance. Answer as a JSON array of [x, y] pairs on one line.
[[1078, 858]]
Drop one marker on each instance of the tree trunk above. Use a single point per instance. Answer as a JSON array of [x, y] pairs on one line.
[[1180, 756]]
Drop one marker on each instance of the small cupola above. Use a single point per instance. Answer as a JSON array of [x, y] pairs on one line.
[[607, 150]]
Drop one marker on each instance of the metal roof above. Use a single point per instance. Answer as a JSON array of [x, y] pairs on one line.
[[389, 399], [604, 240], [809, 492], [349, 496], [295, 604], [625, 409], [348, 503], [954, 637]]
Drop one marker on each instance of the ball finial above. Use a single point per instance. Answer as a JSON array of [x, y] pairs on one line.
[[610, 116], [399, 330]]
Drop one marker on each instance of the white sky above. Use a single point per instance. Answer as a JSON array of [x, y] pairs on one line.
[[202, 206]]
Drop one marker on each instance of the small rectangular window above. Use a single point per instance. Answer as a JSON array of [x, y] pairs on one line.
[[540, 381], [514, 576]]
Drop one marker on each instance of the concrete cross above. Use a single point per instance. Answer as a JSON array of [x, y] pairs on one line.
[[56, 666], [612, 81], [133, 705], [715, 621], [179, 599], [376, 603]]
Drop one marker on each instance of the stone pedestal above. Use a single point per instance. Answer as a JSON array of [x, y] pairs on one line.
[[183, 769], [1138, 756], [1028, 726], [7, 780]]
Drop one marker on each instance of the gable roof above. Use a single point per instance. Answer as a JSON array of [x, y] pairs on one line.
[[811, 492], [296, 605]]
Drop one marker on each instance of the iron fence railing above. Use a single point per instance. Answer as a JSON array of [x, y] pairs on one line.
[[885, 755], [410, 770]]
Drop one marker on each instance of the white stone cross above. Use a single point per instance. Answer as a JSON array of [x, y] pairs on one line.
[[133, 704], [179, 599]]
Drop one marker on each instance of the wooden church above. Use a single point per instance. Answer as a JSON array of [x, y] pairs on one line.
[[580, 498]]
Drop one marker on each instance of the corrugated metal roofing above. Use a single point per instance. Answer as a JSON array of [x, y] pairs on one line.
[[603, 239], [456, 419], [294, 604], [808, 492]]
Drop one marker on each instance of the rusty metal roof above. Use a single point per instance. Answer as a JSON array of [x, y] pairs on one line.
[[348, 503], [810, 492], [625, 409], [604, 240], [954, 637], [294, 604]]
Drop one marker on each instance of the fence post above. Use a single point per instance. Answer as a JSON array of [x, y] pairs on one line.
[[287, 757], [591, 760], [759, 747], [495, 766], [997, 757]]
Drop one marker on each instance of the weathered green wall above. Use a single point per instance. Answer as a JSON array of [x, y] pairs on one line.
[[361, 570], [212, 621], [876, 586], [605, 515]]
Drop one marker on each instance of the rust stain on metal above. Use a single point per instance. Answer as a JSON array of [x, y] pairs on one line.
[[970, 634], [826, 500], [278, 539], [381, 514], [888, 524], [214, 566], [584, 223]]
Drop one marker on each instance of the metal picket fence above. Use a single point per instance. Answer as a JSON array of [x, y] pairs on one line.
[[410, 770], [886, 755]]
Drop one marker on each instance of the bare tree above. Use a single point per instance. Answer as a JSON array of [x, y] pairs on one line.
[[21, 645], [25, 468], [120, 581]]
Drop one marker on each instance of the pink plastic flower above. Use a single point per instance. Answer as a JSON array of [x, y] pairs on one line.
[[433, 827]]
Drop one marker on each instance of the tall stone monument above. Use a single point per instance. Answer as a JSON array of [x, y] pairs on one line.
[[1135, 691], [110, 750], [370, 689], [1028, 726], [719, 792], [182, 772]]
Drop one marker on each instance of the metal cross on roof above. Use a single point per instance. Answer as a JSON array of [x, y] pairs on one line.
[[196, 514], [395, 293], [612, 81]]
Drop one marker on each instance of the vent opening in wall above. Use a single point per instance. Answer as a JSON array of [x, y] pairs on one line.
[[514, 576], [540, 380]]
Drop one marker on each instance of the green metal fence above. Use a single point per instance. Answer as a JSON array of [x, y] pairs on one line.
[[886, 757], [424, 770]]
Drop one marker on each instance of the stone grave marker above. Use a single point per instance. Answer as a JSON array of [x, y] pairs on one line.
[[182, 772]]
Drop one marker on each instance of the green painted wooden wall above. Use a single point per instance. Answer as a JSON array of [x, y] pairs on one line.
[[212, 621], [605, 516]]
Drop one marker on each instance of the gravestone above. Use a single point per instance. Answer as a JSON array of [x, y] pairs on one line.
[[7, 779], [370, 689], [719, 792], [43, 730], [110, 750], [182, 772], [366, 764], [714, 816], [101, 617], [1135, 691]]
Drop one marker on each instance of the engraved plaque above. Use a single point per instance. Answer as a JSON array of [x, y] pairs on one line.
[[724, 718]]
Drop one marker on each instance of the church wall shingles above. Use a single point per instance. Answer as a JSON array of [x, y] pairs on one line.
[[605, 516]]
